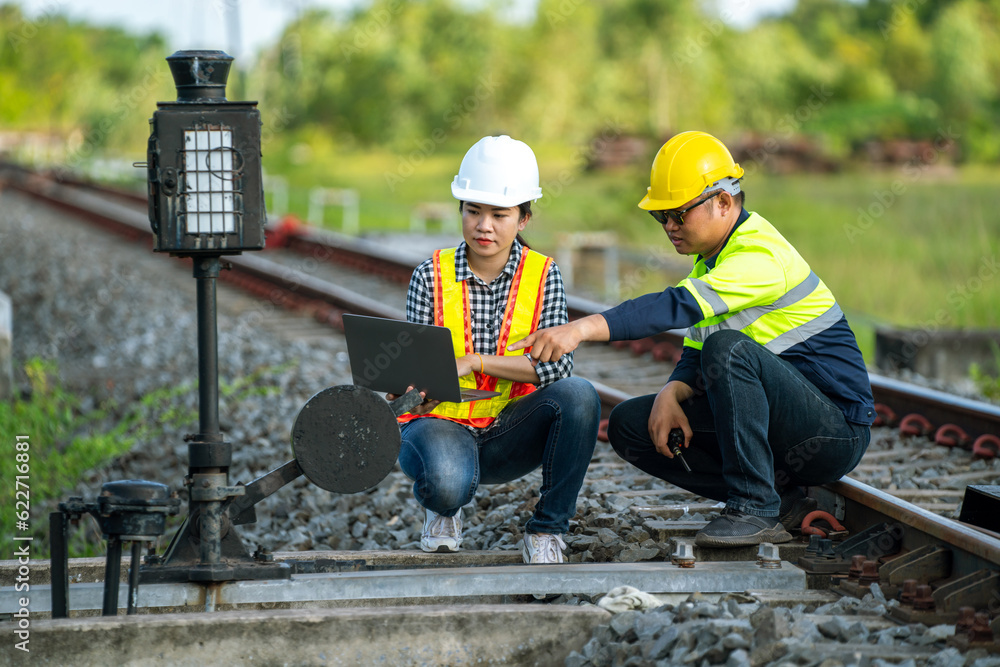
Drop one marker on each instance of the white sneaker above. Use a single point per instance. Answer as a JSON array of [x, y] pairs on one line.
[[441, 533], [543, 548]]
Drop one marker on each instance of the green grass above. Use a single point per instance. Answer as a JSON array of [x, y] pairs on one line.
[[60, 446], [66, 442], [988, 384]]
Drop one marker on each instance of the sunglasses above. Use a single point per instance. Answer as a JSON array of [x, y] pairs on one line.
[[677, 216]]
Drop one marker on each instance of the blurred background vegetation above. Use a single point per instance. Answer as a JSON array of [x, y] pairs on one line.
[[868, 128]]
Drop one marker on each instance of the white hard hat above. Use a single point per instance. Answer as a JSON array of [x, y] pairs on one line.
[[498, 171]]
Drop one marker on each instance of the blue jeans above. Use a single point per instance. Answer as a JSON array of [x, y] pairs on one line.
[[759, 427], [554, 427]]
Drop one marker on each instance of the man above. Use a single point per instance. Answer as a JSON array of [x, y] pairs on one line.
[[771, 391]]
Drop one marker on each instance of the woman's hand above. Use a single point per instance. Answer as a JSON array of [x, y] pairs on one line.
[[467, 364], [421, 409]]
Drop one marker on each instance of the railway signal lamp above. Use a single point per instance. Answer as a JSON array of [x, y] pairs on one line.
[[203, 163], [206, 200]]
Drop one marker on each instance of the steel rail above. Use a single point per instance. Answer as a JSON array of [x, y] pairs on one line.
[[948, 531]]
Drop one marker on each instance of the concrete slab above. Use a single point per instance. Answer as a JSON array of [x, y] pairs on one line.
[[586, 578], [428, 586], [454, 635], [91, 570], [664, 531], [783, 598], [672, 511]]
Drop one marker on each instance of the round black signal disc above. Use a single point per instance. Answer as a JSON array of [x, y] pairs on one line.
[[346, 439]]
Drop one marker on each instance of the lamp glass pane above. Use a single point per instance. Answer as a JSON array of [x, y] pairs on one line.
[[208, 182]]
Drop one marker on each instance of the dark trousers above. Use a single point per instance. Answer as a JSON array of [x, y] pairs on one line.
[[759, 427]]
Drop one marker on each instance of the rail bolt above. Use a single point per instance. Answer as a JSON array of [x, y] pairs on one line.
[[923, 600], [986, 446], [885, 416], [826, 549], [966, 617], [915, 424], [768, 556], [683, 555], [951, 435], [869, 573], [909, 591], [980, 630], [857, 563]]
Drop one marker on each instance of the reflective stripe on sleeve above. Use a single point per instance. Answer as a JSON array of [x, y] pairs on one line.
[[706, 292], [745, 318], [804, 332]]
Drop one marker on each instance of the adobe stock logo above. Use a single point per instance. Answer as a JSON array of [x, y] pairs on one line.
[[373, 367]]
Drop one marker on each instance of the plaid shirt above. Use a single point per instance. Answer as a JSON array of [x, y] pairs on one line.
[[487, 303]]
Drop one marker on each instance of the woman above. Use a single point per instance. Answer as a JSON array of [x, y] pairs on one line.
[[489, 291]]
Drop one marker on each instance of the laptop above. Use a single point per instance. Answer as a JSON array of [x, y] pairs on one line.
[[390, 355]]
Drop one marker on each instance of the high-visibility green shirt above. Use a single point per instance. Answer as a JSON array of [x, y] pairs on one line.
[[760, 285]]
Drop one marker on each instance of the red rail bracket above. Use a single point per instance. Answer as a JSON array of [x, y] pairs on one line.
[[602, 431], [986, 446], [666, 351], [642, 346], [884, 415], [915, 424], [809, 529], [288, 228], [951, 435]]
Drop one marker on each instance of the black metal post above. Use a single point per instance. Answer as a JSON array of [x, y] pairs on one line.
[[206, 270], [112, 573], [210, 455], [133, 577], [58, 528]]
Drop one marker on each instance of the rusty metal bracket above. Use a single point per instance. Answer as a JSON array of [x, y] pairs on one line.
[[241, 509], [978, 589], [926, 564]]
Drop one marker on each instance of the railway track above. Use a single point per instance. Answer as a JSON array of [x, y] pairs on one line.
[[326, 275]]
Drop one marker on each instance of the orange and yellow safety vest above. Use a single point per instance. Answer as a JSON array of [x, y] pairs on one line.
[[520, 318]]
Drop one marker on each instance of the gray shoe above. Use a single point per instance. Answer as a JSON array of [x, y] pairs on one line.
[[736, 529]]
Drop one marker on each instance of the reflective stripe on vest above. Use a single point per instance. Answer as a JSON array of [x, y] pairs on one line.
[[521, 314], [744, 299]]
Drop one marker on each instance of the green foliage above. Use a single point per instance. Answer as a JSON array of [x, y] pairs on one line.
[[883, 69], [988, 383], [62, 445], [407, 75], [96, 87], [67, 442]]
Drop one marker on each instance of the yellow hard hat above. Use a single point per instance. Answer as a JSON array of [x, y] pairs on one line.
[[689, 164]]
